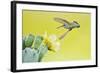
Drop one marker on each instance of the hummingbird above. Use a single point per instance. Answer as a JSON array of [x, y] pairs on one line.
[[67, 25]]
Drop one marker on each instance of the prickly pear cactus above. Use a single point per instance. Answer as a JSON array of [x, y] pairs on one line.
[[36, 53], [29, 55], [35, 47]]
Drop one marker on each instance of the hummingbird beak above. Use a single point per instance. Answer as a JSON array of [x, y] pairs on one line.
[[78, 26]]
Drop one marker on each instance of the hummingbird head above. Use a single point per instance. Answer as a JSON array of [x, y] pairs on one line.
[[76, 24]]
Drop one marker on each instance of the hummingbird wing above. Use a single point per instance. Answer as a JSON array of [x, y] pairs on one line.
[[63, 21], [60, 26]]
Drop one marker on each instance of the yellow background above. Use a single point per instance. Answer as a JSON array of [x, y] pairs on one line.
[[76, 44]]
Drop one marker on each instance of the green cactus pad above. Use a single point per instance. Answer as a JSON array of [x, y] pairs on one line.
[[38, 41], [29, 55], [42, 51], [29, 40]]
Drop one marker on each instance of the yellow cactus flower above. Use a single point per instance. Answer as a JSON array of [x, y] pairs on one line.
[[52, 42]]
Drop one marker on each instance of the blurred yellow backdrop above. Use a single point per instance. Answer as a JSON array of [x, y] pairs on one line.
[[75, 46]]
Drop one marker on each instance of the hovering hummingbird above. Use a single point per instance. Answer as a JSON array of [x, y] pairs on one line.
[[67, 25]]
